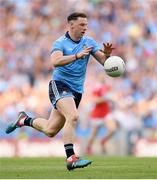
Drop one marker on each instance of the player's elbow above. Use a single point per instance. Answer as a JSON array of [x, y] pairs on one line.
[[56, 59], [55, 62]]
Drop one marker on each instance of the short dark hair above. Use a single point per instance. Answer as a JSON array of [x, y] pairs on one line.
[[75, 15]]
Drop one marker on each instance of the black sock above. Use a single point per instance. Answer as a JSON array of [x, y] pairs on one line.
[[69, 150], [28, 121]]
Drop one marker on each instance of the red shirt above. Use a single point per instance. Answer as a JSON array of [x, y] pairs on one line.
[[100, 110]]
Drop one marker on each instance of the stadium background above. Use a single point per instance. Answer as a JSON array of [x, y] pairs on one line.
[[27, 30]]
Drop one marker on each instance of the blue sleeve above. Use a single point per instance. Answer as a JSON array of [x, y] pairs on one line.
[[95, 46], [57, 46]]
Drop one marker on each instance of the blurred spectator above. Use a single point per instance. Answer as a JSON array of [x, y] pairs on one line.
[[27, 30]]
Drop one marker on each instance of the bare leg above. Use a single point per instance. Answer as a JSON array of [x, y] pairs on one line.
[[94, 130], [67, 107], [50, 126], [111, 126]]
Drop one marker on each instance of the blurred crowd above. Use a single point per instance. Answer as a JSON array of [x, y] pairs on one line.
[[27, 31]]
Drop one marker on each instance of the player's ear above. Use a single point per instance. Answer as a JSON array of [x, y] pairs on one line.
[[71, 23]]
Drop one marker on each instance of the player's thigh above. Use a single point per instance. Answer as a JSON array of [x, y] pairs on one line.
[[56, 120], [67, 107], [94, 130], [95, 125], [110, 124]]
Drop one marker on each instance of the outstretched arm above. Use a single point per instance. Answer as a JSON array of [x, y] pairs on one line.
[[102, 55], [58, 59]]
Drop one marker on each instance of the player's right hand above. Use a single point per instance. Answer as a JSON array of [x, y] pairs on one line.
[[84, 53]]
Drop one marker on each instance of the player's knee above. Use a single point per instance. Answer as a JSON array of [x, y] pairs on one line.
[[50, 132], [112, 130], [72, 117]]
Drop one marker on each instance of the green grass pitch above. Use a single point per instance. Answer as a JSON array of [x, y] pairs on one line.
[[101, 168]]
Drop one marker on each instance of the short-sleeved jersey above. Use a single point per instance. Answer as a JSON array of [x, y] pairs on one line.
[[102, 109], [73, 74]]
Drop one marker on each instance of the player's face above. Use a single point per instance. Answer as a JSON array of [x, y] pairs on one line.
[[79, 27]]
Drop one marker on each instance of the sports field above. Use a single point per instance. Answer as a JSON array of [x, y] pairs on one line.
[[102, 167]]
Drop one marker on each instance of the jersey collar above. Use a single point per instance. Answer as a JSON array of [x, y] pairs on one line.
[[68, 36]]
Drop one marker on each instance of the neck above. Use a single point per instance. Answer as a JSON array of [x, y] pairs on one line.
[[73, 37]]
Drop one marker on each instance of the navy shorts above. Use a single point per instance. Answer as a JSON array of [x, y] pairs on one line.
[[58, 90]]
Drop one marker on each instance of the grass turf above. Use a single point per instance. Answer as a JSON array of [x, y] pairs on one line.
[[101, 168]]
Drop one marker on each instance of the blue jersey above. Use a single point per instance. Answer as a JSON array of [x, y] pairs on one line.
[[73, 74]]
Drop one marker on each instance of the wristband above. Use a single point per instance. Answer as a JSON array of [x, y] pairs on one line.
[[76, 56], [107, 56]]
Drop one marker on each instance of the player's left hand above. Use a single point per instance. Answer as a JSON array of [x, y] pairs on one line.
[[107, 49]]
